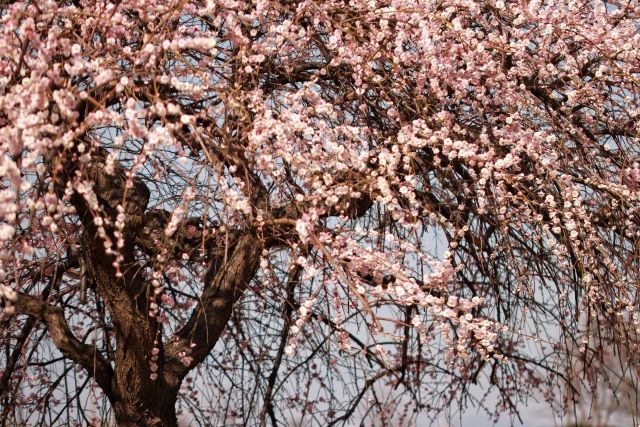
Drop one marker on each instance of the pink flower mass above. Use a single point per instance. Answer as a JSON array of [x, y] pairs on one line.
[[253, 212]]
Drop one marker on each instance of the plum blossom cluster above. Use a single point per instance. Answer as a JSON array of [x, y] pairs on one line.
[[304, 315], [9, 298]]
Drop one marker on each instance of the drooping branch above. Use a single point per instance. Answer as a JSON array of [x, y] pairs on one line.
[[288, 307], [85, 355]]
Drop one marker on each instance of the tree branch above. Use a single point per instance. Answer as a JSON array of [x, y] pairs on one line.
[[223, 287], [84, 354]]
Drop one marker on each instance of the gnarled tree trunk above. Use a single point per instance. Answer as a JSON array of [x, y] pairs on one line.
[[144, 405]]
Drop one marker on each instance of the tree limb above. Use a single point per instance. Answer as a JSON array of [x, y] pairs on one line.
[[84, 354], [223, 287]]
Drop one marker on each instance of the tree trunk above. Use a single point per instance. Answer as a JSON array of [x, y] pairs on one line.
[[155, 408], [136, 398]]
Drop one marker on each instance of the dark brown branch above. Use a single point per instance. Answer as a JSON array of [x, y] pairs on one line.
[[13, 360], [223, 287], [85, 355]]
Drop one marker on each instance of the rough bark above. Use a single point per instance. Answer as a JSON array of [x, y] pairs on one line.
[[156, 407], [137, 399]]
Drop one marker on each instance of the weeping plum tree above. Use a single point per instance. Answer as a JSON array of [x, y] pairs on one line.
[[252, 212]]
